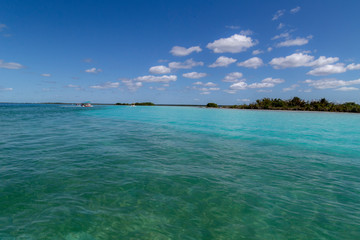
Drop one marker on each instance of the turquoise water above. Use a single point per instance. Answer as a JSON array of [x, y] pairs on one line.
[[118, 172]]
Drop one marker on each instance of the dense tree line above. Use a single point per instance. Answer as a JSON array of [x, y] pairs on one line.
[[299, 104]]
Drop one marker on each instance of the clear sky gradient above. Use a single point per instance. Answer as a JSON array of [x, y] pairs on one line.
[[179, 52]]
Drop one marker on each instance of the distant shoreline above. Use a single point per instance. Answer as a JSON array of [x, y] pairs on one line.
[[293, 105]]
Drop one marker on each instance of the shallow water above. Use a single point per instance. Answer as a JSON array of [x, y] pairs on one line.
[[119, 172]]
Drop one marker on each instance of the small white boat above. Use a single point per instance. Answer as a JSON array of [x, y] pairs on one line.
[[86, 105]]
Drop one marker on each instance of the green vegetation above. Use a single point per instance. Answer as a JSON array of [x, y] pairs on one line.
[[300, 105], [145, 104], [122, 103], [212, 105]]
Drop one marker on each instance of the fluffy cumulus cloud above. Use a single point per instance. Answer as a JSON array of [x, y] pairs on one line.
[[152, 79], [223, 62], [188, 64], [278, 14], [93, 70], [194, 75], [328, 69], [331, 83], [238, 86], [10, 65], [294, 42], [161, 69], [181, 51], [106, 85], [254, 62], [233, 77], [234, 44], [46, 75], [301, 60], [353, 66], [265, 83]]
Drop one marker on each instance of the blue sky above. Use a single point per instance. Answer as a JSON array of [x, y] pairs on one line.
[[184, 52]]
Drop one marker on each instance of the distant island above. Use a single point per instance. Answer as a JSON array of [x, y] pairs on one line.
[[296, 104], [138, 104]]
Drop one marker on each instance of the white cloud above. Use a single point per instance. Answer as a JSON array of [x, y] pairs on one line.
[[205, 88], [234, 44], [46, 75], [301, 60], [93, 70], [10, 65], [233, 77], [159, 69], [194, 75], [106, 85], [265, 83], [261, 85], [281, 25], [353, 66], [328, 69], [295, 10], [151, 78], [131, 85], [330, 83], [323, 61], [181, 51], [291, 88], [238, 86], [281, 35], [269, 49], [208, 84], [223, 62], [254, 62], [198, 83], [278, 14], [6, 89], [347, 89], [205, 93], [294, 42], [188, 64], [257, 51], [273, 80]]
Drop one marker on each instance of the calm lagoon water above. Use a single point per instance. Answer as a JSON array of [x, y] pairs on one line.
[[119, 172]]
